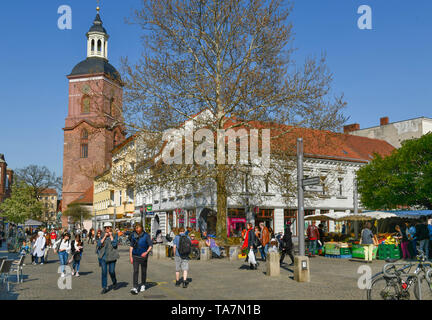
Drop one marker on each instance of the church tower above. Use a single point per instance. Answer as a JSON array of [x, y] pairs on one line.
[[93, 126]]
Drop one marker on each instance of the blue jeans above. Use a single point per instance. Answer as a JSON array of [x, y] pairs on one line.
[[37, 259], [76, 264], [63, 257], [107, 267], [263, 251], [424, 246], [312, 246]]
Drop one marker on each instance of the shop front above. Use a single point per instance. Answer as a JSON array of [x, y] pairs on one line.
[[290, 218], [236, 222], [191, 219], [181, 216], [266, 216]]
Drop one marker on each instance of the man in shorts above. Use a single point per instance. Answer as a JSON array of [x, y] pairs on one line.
[[181, 262]]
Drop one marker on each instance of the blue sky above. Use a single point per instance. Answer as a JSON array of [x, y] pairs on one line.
[[382, 72]]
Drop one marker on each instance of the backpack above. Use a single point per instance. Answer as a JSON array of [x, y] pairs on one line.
[[185, 247]]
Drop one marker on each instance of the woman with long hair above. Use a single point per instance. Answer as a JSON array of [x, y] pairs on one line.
[[63, 247], [77, 251]]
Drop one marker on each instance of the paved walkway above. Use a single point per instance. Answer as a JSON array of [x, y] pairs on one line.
[[331, 279]]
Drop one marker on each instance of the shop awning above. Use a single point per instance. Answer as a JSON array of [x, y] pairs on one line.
[[414, 214]]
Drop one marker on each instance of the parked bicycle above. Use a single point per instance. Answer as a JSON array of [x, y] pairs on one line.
[[396, 279], [124, 241]]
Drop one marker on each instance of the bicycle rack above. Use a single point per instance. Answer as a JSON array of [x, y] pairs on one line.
[[407, 275]]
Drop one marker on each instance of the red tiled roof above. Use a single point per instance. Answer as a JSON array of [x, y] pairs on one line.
[[324, 144], [85, 198], [49, 191]]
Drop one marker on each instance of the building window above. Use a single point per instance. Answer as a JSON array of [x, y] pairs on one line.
[[99, 46], [85, 104], [84, 150], [115, 139], [340, 186]]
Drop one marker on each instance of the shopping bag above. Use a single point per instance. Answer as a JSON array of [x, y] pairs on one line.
[[251, 256]]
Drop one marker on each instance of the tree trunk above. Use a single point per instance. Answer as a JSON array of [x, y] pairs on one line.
[[221, 227]]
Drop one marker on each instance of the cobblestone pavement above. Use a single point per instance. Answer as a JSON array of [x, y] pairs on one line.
[[331, 279]]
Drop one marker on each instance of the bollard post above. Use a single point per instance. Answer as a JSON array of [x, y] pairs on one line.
[[205, 254], [273, 266], [301, 269]]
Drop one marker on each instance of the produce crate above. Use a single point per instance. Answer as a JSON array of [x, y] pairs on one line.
[[332, 249], [388, 251], [345, 251], [358, 251]]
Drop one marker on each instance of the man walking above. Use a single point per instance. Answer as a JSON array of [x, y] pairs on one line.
[[422, 235], [108, 255], [182, 249], [313, 236], [140, 247], [265, 239]]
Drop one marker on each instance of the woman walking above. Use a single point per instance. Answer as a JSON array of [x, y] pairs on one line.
[[403, 237], [63, 247], [39, 248], [287, 245], [77, 251], [249, 244], [108, 256], [368, 240]]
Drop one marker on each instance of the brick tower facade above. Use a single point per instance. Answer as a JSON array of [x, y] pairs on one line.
[[93, 124]]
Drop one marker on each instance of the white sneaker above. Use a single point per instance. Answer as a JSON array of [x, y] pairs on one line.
[[77, 274], [142, 289], [134, 291], [34, 263], [73, 272], [41, 263]]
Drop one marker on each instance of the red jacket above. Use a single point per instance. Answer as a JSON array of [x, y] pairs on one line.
[[313, 232]]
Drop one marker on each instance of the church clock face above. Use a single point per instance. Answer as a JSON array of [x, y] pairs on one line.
[[85, 89]]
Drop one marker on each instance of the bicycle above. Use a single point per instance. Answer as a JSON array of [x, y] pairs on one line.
[[124, 241], [390, 284]]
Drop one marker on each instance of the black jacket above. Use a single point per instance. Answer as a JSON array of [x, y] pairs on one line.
[[286, 240], [251, 238]]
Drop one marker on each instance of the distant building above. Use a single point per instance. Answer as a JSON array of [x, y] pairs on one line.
[[394, 133], [49, 198], [6, 179]]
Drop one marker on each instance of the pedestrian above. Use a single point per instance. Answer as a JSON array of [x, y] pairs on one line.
[[313, 236], [402, 236], [265, 239], [47, 245], [108, 256], [182, 248], [32, 244], [321, 237], [98, 235], [368, 241], [91, 236], [273, 247], [39, 248], [63, 248], [158, 237], [422, 236], [77, 247], [140, 247], [287, 245], [170, 238], [412, 239], [248, 244], [215, 249], [53, 238]]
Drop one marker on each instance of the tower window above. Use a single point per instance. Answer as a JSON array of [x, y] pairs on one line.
[[84, 150], [92, 45], [99, 46], [84, 144], [85, 104]]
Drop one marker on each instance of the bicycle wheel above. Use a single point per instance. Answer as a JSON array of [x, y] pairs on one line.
[[425, 288], [383, 288]]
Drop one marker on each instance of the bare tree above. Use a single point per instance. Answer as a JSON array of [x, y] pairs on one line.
[[39, 178], [229, 61]]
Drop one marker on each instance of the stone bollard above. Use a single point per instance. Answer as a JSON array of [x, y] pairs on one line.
[[301, 269], [205, 254], [159, 251], [233, 253], [155, 251], [273, 266]]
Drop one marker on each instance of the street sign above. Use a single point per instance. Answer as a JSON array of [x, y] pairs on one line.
[[314, 188], [149, 208], [311, 181]]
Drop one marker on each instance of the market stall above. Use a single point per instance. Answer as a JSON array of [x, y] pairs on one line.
[[347, 246]]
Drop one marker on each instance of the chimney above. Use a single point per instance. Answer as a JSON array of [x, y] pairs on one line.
[[351, 127], [384, 121]]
